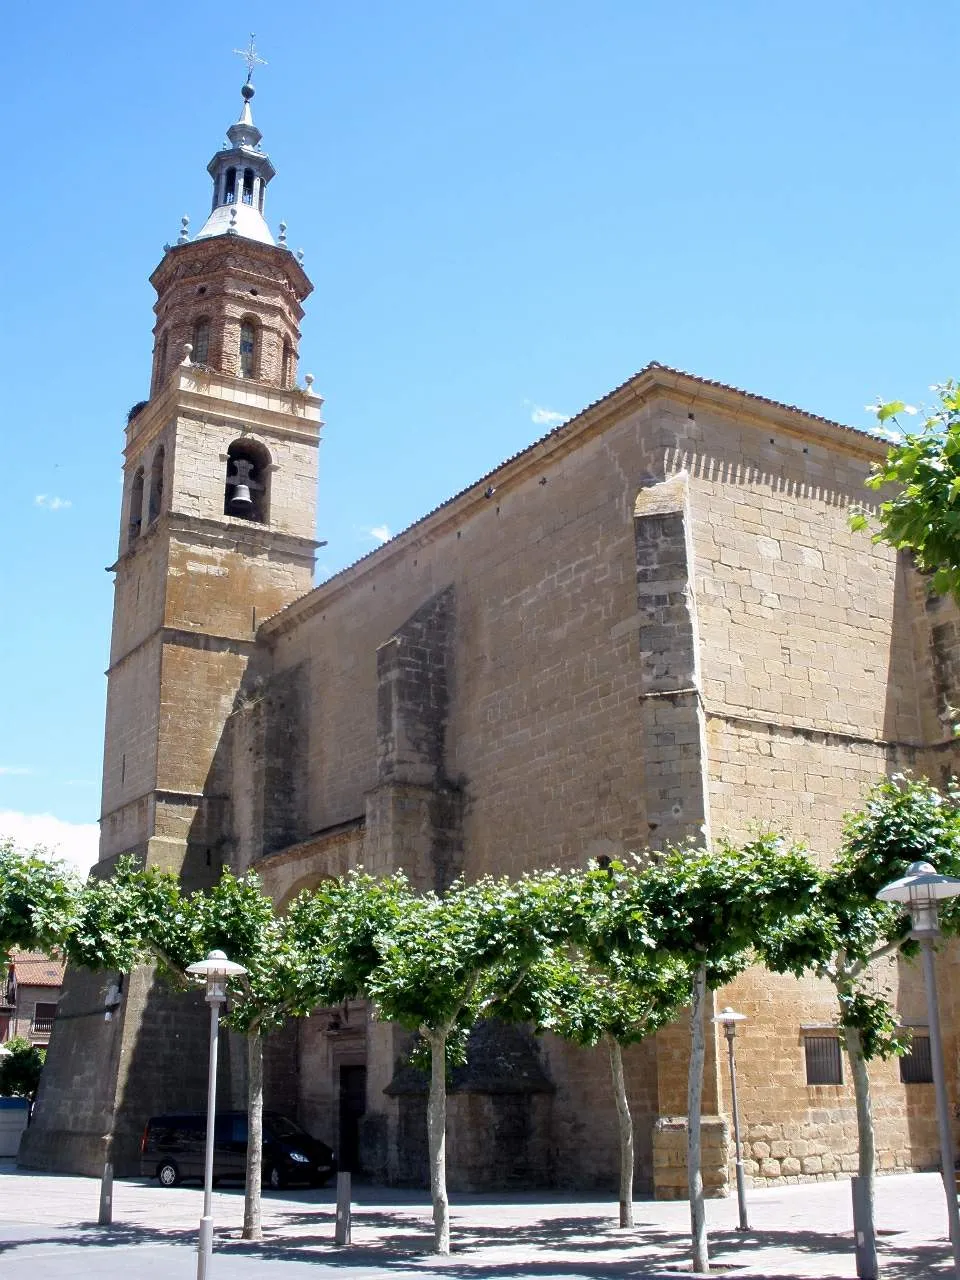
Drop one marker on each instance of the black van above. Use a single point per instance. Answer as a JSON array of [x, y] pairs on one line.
[[172, 1150]]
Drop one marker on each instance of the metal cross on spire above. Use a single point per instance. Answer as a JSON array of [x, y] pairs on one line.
[[250, 57]]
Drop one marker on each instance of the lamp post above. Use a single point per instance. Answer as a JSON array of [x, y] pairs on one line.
[[728, 1019], [216, 970], [920, 890]]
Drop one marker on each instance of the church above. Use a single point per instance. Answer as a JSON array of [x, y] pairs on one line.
[[653, 623]]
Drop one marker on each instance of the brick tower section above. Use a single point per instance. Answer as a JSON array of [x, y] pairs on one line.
[[202, 561]]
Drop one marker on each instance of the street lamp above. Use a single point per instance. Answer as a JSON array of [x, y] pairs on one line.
[[920, 890], [728, 1019], [216, 970]]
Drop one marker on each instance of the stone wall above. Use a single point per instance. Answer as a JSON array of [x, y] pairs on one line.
[[717, 651]]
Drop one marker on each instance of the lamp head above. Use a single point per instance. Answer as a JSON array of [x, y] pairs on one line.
[[920, 890], [216, 971], [728, 1019]]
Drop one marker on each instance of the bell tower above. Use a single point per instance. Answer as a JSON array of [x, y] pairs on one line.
[[218, 513], [216, 534]]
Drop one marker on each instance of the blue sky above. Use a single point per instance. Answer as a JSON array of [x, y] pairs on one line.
[[506, 209]]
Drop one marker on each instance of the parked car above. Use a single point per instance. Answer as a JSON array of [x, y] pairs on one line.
[[172, 1150]]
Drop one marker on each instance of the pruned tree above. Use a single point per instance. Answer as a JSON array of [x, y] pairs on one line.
[[443, 964], [845, 932], [139, 915], [618, 1000], [706, 910]]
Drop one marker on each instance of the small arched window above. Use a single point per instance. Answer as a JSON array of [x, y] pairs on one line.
[[201, 341], [156, 486], [248, 186], [248, 349], [287, 364], [230, 187], [160, 364], [135, 513], [247, 488]]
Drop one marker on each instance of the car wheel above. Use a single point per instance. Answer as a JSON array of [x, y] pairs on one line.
[[168, 1175], [274, 1179]]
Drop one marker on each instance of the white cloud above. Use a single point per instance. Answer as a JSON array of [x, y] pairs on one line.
[[380, 533], [13, 771], [74, 842], [51, 503], [542, 417]]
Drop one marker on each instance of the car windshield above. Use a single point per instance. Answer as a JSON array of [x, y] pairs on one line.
[[284, 1128]]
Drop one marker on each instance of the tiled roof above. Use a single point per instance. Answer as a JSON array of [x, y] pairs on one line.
[[34, 969], [651, 375]]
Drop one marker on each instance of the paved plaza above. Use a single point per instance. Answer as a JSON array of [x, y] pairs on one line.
[[47, 1233]]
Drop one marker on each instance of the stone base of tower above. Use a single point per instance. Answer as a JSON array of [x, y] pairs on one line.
[[108, 1078]]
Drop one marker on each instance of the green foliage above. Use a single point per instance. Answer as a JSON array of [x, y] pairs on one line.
[[711, 907], [581, 1001], [20, 1069], [121, 919], [238, 918], [844, 929], [870, 1014], [339, 926], [923, 516], [38, 898], [446, 961]]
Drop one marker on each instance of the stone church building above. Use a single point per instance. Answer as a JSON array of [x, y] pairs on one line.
[[653, 622]]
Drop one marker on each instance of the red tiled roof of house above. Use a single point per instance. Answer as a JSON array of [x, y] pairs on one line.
[[34, 969]]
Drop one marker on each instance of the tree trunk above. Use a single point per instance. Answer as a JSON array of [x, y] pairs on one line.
[[698, 1220], [626, 1133], [437, 1141], [866, 1144], [252, 1220]]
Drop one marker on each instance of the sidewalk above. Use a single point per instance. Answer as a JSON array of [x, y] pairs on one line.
[[47, 1232]]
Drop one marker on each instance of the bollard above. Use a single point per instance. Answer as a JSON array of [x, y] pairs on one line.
[[341, 1234], [105, 1216], [868, 1268]]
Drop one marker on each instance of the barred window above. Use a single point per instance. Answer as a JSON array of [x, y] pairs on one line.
[[824, 1063], [916, 1067], [230, 187], [248, 186]]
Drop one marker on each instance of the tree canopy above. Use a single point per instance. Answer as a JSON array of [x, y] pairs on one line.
[[38, 899], [923, 514]]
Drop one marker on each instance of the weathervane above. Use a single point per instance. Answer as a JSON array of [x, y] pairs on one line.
[[249, 55]]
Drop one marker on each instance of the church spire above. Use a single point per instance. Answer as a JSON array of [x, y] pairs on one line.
[[240, 172]]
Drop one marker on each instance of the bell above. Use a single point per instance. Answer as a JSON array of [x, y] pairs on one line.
[[240, 501]]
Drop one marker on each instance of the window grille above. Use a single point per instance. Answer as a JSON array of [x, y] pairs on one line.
[[916, 1067], [230, 187], [824, 1063], [248, 186]]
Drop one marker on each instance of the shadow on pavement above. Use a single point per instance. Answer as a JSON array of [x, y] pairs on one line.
[[403, 1243]]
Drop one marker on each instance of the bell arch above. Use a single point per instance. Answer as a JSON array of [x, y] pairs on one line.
[[156, 485], [135, 512], [246, 492]]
